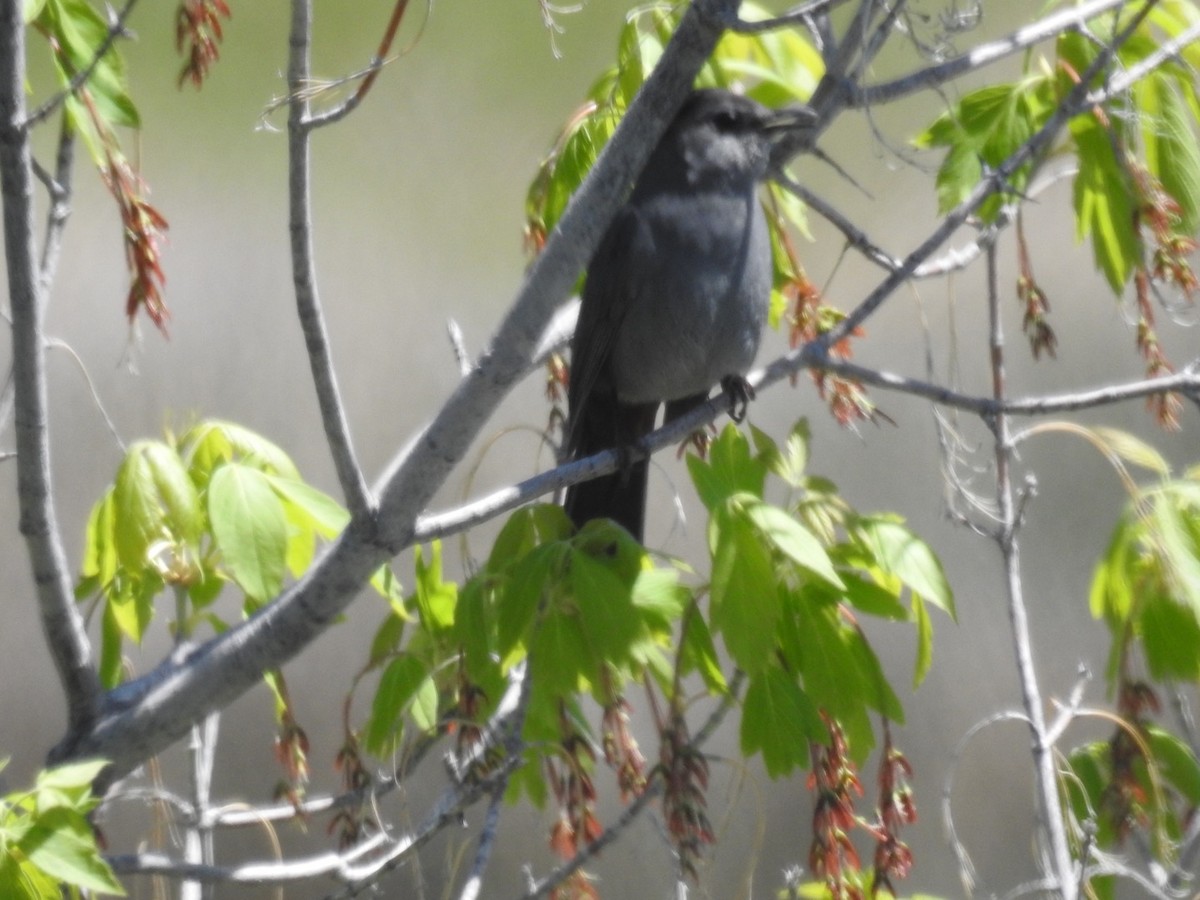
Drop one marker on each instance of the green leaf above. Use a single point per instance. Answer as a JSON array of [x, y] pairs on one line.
[[744, 591], [475, 627], [924, 640], [71, 776], [1171, 639], [1111, 594], [62, 845], [515, 541], [1170, 145], [985, 128], [326, 515], [657, 592], [1132, 449], [21, 880], [153, 500], [793, 540], [778, 720], [1177, 538], [730, 469], [31, 10], [250, 529], [1177, 762], [560, 654], [110, 647], [99, 543], [79, 31], [387, 639], [436, 597], [833, 677], [1104, 203], [699, 653], [900, 553], [869, 597], [605, 607], [790, 461], [522, 592], [399, 685], [212, 443], [133, 607]]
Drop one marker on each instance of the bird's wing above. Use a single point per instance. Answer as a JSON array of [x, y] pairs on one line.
[[612, 283]]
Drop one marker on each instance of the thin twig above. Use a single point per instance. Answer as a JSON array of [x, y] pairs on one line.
[[59, 344], [58, 187], [966, 868], [368, 75], [308, 303], [1049, 801], [514, 748], [984, 54]]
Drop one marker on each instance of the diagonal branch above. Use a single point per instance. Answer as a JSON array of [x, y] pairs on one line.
[[61, 623], [144, 716], [984, 54]]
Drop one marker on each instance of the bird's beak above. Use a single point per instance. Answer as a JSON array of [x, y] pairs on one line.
[[791, 131], [790, 119]]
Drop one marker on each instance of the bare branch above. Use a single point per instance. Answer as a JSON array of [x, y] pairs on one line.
[[368, 75], [58, 187], [1050, 817], [62, 625], [304, 277], [356, 866], [985, 54]]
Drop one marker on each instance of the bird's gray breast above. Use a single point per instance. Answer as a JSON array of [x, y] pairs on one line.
[[700, 276]]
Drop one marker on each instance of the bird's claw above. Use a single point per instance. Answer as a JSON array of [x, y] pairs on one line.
[[740, 392]]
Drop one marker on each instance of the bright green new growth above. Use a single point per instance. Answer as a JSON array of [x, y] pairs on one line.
[[593, 612], [47, 845]]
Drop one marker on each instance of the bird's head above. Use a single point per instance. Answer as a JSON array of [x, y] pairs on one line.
[[722, 138]]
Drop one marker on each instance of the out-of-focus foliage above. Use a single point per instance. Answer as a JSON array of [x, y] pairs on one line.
[[47, 847]]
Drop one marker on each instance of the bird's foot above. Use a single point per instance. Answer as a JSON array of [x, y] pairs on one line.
[[700, 439], [740, 392]]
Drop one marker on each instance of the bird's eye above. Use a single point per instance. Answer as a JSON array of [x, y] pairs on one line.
[[726, 121]]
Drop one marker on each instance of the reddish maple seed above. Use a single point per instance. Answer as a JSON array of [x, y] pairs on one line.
[[198, 27]]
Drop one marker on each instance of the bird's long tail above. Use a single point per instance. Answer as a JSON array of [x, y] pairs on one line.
[[603, 423]]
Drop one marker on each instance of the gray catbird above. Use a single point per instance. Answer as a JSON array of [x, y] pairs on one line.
[[677, 293]]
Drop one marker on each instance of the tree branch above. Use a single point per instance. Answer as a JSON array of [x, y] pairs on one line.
[[982, 55], [58, 186], [1050, 817], [304, 278], [144, 716], [62, 625]]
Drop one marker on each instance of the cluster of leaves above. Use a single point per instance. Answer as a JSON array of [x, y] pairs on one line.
[[1137, 183], [589, 613], [1146, 589], [47, 847], [215, 506]]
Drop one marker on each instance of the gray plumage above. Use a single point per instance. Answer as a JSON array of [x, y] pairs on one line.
[[676, 294]]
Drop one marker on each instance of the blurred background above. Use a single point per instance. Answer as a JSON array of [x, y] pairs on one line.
[[418, 200]]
